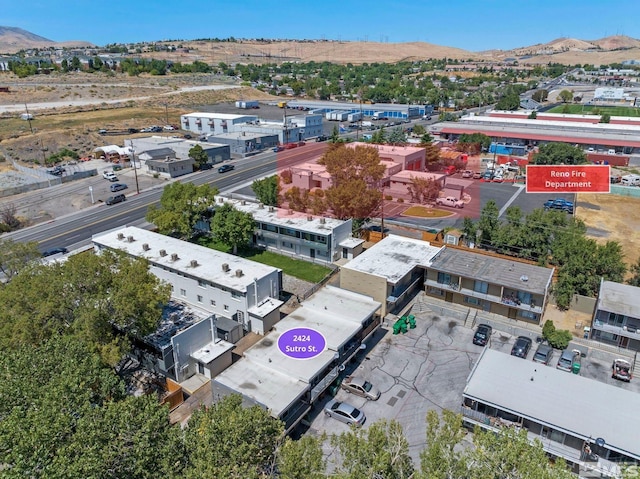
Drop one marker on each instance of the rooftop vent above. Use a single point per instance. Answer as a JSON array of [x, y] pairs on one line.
[[322, 221], [129, 239], [145, 246], [309, 218], [524, 278], [225, 267], [163, 252], [220, 200], [239, 273], [271, 209], [289, 211], [261, 205], [120, 236], [194, 263], [243, 202], [174, 256]]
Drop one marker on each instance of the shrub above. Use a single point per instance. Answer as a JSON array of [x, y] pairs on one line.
[[548, 329], [388, 197], [560, 339], [287, 177], [400, 200]]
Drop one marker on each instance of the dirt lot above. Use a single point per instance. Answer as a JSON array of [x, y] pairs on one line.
[[612, 218]]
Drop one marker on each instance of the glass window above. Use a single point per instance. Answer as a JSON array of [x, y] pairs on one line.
[[444, 278], [213, 302], [289, 232], [199, 299], [183, 292], [481, 287], [236, 295], [226, 307], [268, 227], [471, 300], [202, 284]]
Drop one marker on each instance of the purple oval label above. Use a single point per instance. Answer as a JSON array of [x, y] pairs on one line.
[[301, 343]]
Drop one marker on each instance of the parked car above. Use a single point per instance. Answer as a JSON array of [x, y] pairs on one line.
[[187, 136], [467, 174], [118, 187], [345, 413], [52, 251], [559, 204], [276, 149], [477, 175], [112, 200], [360, 387], [134, 130], [621, 369], [543, 354], [168, 128], [109, 175], [225, 168], [487, 175], [56, 170], [483, 334], [450, 201], [521, 347], [322, 138], [565, 361]]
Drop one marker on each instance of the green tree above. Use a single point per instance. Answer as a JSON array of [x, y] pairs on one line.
[[559, 154], [419, 130], [199, 156], [228, 441], [423, 190], [380, 451], [75, 64], [605, 118], [355, 174], [540, 95], [335, 135], [379, 137], [232, 227], [635, 271], [302, 459], [508, 102], [442, 458], [16, 256], [397, 137], [86, 297], [182, 205], [566, 96], [469, 229], [267, 190], [473, 143], [488, 224]]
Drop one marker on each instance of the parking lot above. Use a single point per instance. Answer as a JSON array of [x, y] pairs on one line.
[[427, 368]]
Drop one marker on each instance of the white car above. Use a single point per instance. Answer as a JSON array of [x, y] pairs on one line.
[[109, 175], [450, 201]]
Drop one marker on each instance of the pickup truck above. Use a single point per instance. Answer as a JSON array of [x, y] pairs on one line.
[[450, 201], [559, 204], [109, 175]]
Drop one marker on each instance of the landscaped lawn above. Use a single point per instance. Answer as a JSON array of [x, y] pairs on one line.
[[423, 212], [314, 273], [587, 109]]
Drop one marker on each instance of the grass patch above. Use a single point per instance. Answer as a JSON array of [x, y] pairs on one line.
[[423, 212], [304, 270], [589, 109]]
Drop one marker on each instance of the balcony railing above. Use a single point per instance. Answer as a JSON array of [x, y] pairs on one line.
[[623, 330]]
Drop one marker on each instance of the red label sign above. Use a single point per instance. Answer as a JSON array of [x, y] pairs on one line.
[[568, 179]]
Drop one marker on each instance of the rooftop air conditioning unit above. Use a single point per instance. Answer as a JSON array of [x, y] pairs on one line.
[[322, 221], [261, 205], [129, 239], [271, 209], [225, 267], [145, 246], [238, 273], [309, 218], [163, 252], [174, 256], [194, 263], [243, 202], [120, 236], [221, 200]]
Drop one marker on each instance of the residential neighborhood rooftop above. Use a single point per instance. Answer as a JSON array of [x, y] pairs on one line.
[[394, 257], [565, 401], [522, 276], [619, 298], [282, 217], [190, 259]]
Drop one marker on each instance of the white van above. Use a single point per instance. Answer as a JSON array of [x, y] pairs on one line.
[[630, 180]]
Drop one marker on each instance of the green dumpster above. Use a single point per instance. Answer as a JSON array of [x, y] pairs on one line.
[[397, 326], [403, 327], [412, 322], [575, 368]]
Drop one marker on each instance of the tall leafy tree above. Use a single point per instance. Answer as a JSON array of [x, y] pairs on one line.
[[232, 227], [423, 190], [566, 96], [198, 155], [229, 441], [16, 256], [634, 280], [355, 175], [559, 154], [381, 451], [473, 143], [302, 459], [267, 190], [182, 205], [397, 137], [442, 457], [488, 223]]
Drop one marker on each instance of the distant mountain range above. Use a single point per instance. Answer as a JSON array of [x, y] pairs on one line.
[[613, 49], [13, 39]]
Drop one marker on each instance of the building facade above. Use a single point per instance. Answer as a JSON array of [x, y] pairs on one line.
[[218, 283], [616, 319]]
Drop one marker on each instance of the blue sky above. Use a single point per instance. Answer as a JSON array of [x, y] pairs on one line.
[[469, 24]]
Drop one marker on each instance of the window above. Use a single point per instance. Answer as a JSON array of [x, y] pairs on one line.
[[528, 314], [226, 307], [202, 284], [287, 244], [236, 295], [472, 300], [183, 292], [444, 278], [268, 227], [289, 232], [481, 287], [199, 299], [213, 302]]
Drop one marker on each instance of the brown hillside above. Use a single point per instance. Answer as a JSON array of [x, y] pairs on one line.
[[617, 42]]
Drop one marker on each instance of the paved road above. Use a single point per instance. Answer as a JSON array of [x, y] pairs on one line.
[[76, 229]]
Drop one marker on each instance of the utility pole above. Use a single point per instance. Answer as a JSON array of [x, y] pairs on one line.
[[28, 117], [135, 170]]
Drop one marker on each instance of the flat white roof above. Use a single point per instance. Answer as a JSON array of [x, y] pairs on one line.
[[351, 242], [219, 116], [281, 217], [394, 257], [209, 261], [572, 126], [619, 298], [275, 380], [579, 406], [271, 389], [211, 351]]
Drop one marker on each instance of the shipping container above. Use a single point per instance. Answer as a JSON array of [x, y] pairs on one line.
[[354, 117], [247, 104]]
